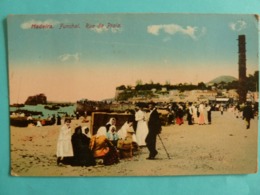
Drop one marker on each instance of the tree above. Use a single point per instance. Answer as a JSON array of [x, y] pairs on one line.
[[139, 82], [201, 86], [252, 82], [128, 87], [167, 82], [256, 77], [122, 87], [222, 84], [232, 85]]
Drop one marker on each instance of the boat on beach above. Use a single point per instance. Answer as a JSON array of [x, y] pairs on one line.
[[24, 121]]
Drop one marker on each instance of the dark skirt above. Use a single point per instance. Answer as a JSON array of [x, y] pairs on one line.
[[112, 156]]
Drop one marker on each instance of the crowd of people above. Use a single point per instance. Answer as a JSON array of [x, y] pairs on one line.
[[201, 113], [194, 113], [109, 144]]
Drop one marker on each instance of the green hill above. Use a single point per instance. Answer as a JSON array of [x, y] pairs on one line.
[[225, 79]]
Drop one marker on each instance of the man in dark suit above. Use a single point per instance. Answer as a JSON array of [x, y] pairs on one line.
[[154, 126], [248, 114]]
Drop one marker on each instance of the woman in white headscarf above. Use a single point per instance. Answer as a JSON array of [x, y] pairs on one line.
[[103, 148], [112, 121], [98, 143], [112, 135], [122, 133]]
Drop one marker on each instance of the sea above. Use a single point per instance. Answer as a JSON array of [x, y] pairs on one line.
[[69, 110]]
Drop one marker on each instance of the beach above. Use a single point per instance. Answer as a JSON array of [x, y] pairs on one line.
[[224, 147]]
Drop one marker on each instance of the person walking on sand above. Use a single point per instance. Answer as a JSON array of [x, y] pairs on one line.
[[58, 120], [64, 145], [209, 113], [221, 109], [248, 114], [190, 114], [201, 115], [195, 114], [154, 127], [179, 115]]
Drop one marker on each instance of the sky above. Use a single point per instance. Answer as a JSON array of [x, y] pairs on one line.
[[89, 55]]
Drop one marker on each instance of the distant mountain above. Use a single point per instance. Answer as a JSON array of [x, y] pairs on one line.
[[225, 79]]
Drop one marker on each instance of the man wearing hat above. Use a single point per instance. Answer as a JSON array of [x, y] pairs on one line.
[[154, 126]]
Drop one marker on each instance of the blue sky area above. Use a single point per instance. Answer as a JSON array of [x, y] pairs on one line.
[[178, 48]]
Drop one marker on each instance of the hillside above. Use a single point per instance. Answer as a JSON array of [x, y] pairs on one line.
[[225, 79]]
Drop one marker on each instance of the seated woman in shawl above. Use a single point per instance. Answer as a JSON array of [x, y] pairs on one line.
[[98, 144], [112, 121], [122, 132], [82, 153], [103, 148], [126, 146], [112, 135]]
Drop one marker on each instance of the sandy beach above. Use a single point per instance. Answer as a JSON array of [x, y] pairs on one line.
[[224, 147]]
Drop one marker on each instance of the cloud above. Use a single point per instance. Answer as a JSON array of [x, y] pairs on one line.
[[66, 57], [171, 29], [238, 25], [28, 24]]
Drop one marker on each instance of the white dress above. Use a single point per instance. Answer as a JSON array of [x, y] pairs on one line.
[[64, 145], [194, 114], [142, 128]]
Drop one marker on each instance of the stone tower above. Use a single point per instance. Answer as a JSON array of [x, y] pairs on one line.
[[242, 89]]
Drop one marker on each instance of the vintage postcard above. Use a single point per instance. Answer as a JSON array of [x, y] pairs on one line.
[[133, 94]]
